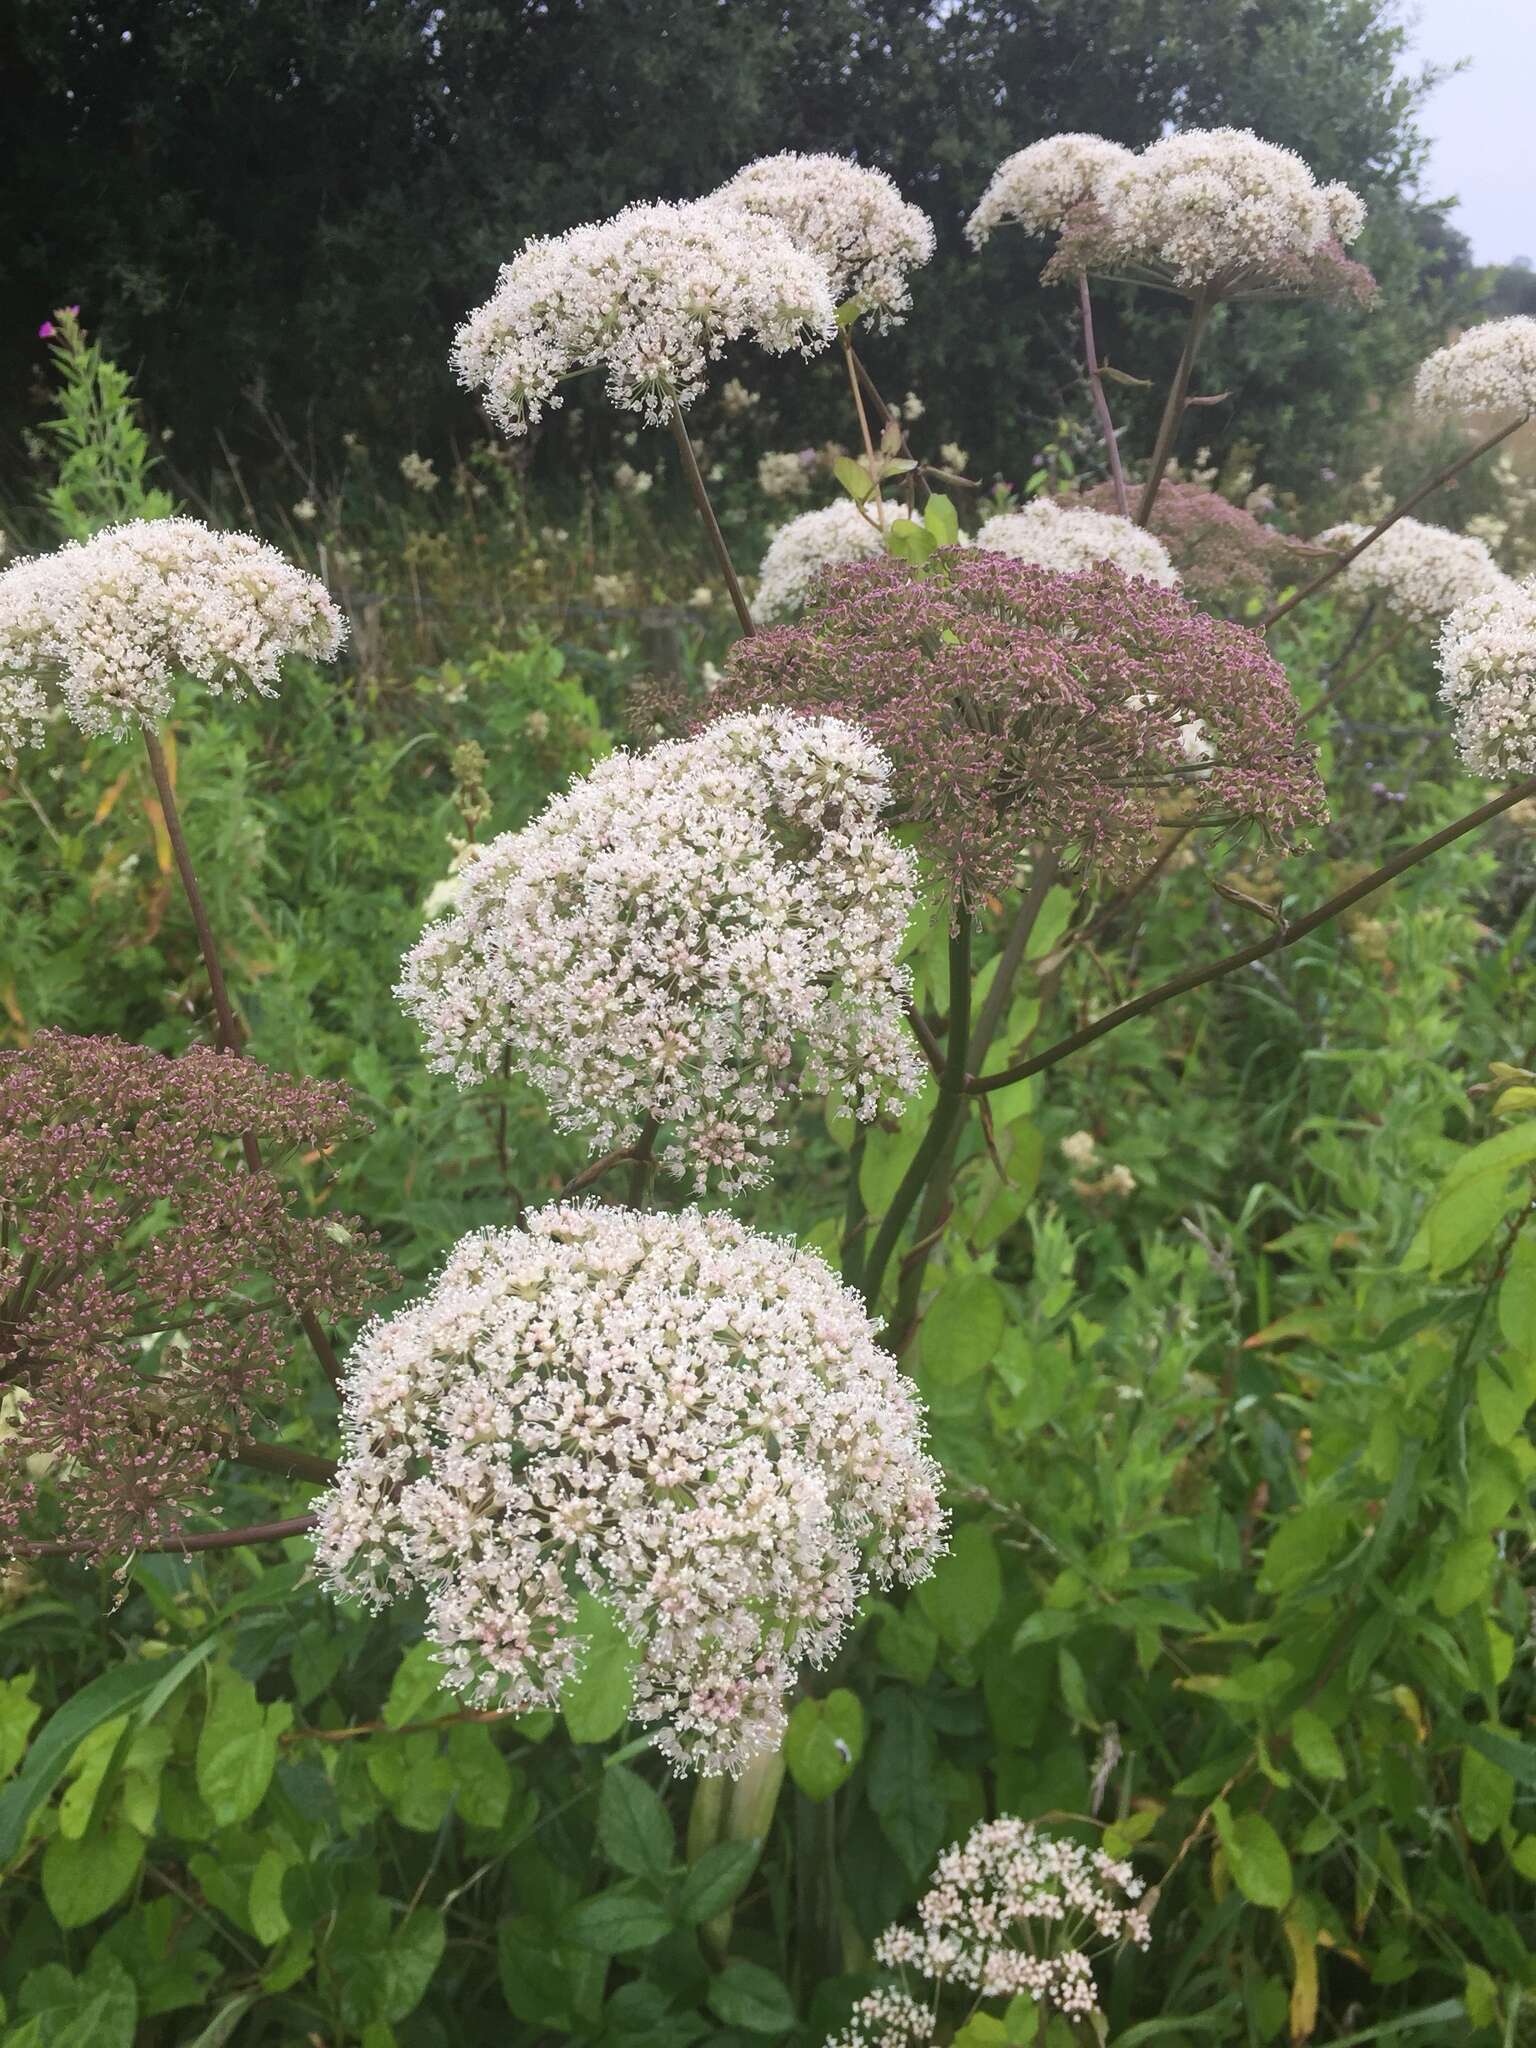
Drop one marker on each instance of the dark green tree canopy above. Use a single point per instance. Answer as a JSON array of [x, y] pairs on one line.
[[304, 198]]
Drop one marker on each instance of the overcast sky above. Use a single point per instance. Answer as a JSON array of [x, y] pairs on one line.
[[1483, 121]]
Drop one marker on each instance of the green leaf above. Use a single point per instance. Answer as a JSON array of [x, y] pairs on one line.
[[1256, 1856], [536, 1979], [18, 1711], [265, 1903], [983, 2030], [1315, 1745], [854, 478], [100, 1701], [97, 2010], [909, 542], [409, 1962], [595, 1705], [963, 1328], [483, 1780], [746, 1995], [717, 1880], [887, 1155], [1302, 1545], [963, 1596], [941, 519], [1464, 1575], [823, 1742], [633, 1827], [415, 1688], [1487, 1795], [1472, 1201], [899, 1780], [237, 1748], [83, 1879], [1517, 1299], [615, 1922]]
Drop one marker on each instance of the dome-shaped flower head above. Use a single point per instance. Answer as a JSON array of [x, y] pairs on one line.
[[1019, 706], [1039, 188], [1219, 212], [106, 624], [1015, 1912], [651, 297], [671, 1416], [150, 1282], [1219, 549], [801, 549], [691, 935], [1490, 368], [1071, 538], [1488, 678], [1418, 571], [852, 220]]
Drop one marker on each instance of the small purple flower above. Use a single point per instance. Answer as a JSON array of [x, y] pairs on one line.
[[47, 331], [1329, 476]]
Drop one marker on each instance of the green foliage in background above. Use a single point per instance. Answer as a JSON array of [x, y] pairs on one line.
[[300, 202], [1238, 1442]]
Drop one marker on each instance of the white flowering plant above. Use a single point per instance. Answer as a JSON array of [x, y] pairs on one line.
[[837, 1565]]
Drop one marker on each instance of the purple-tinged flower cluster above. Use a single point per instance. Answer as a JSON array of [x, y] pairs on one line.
[[1019, 707], [1220, 550], [149, 1281]]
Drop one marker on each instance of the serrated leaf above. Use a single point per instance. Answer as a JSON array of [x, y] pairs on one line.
[[746, 1995], [633, 1827], [965, 1591], [717, 1880]]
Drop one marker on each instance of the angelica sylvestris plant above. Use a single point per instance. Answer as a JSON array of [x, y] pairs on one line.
[[1488, 678], [650, 297], [812, 541], [683, 942], [103, 627], [1069, 538], [149, 1280], [852, 220], [1420, 572], [833, 937], [1013, 1913], [1023, 706], [683, 1420]]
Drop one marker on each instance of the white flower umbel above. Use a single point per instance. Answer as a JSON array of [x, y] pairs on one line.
[[651, 297], [1491, 368], [1221, 211], [1014, 1912], [104, 625], [799, 551], [1213, 211], [854, 222], [1070, 538], [888, 2018], [1037, 188], [694, 935], [1488, 678], [1418, 571], [680, 1418]]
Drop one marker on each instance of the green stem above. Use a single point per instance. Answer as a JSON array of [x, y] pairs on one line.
[[706, 512], [855, 1215], [1215, 970], [1173, 410], [946, 1113]]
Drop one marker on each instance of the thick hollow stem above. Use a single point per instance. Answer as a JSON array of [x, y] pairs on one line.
[[1100, 402], [1399, 511], [206, 1539], [933, 1210], [231, 1037], [1197, 977], [1173, 410], [946, 1112], [284, 1460], [706, 512], [643, 1163], [871, 459]]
